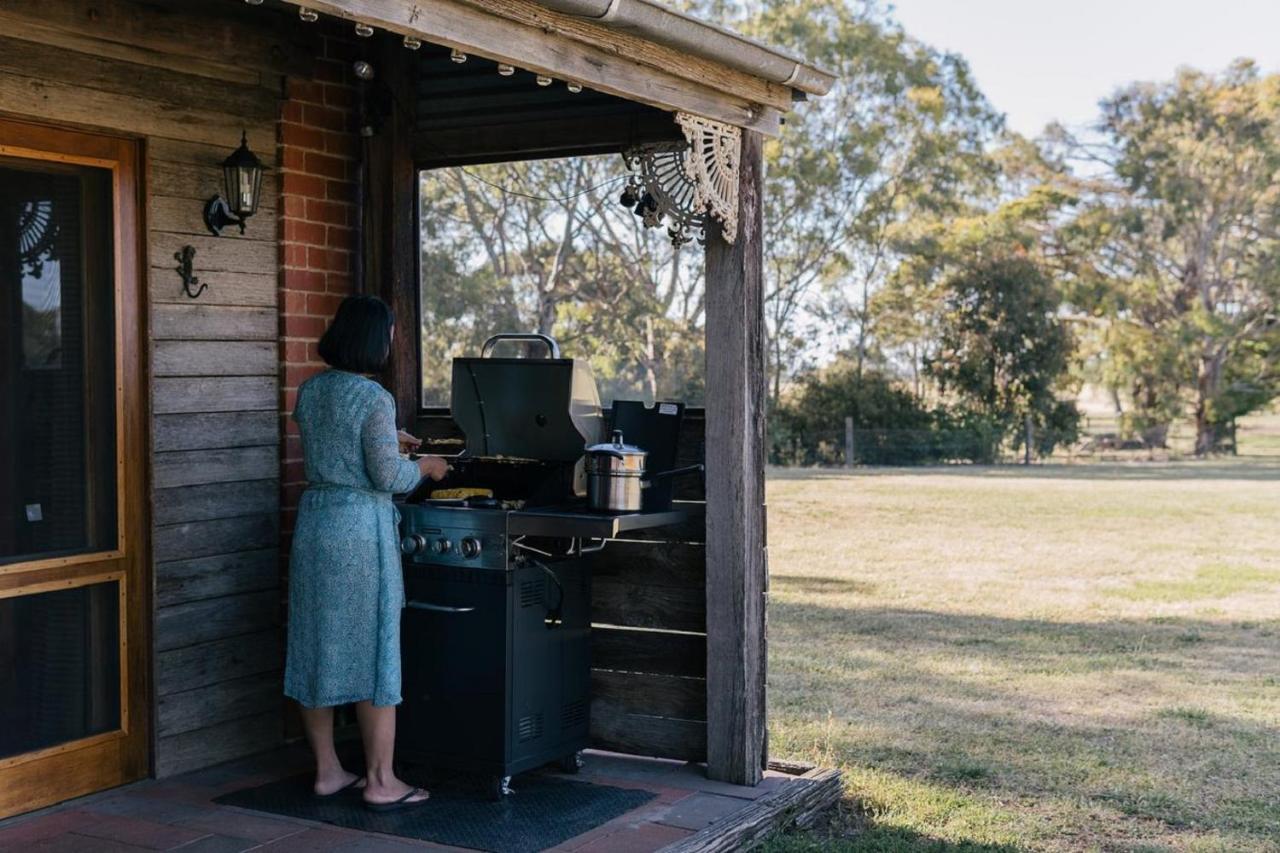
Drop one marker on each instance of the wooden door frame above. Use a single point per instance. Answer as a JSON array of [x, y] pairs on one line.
[[64, 771]]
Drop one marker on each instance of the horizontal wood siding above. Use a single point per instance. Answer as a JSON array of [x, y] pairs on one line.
[[649, 632], [131, 67]]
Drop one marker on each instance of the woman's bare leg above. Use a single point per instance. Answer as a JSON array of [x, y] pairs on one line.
[[330, 775], [378, 730]]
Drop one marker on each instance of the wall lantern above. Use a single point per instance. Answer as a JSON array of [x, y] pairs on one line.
[[242, 177]]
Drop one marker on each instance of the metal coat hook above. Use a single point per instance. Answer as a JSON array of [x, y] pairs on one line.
[[189, 280]]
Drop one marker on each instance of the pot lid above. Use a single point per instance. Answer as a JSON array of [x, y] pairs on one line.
[[617, 447]]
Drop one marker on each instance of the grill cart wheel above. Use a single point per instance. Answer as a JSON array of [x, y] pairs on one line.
[[497, 787], [571, 763]]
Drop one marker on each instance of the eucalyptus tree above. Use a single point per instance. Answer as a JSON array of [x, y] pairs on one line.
[[1179, 243]]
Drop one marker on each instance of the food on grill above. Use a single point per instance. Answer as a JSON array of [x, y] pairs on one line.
[[461, 494]]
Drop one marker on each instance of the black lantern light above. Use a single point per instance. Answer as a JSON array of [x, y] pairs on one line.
[[242, 177]]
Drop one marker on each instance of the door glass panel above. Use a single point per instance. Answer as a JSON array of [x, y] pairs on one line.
[[57, 361], [59, 666]]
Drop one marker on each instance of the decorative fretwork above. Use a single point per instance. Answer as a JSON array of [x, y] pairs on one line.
[[37, 235], [681, 183]]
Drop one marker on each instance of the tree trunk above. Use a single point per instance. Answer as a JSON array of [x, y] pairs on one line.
[[1207, 378]]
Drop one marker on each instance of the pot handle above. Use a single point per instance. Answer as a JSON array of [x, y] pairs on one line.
[[553, 348], [674, 472]]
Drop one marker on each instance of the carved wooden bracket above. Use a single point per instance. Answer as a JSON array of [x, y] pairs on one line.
[[681, 183]]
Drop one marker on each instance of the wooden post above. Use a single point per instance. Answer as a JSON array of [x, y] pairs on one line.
[[737, 571], [391, 216], [848, 442]]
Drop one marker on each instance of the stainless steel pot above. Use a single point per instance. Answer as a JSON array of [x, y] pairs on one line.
[[616, 475]]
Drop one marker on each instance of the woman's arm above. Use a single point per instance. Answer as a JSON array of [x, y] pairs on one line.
[[387, 470]]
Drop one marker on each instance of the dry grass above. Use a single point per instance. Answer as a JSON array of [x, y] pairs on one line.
[[1059, 658]]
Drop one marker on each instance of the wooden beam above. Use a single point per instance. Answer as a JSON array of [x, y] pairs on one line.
[[502, 141], [736, 559], [544, 50], [391, 225]]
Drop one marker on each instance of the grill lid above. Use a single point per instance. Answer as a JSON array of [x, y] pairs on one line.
[[526, 408]]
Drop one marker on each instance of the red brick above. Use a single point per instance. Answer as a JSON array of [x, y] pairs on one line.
[[292, 158], [340, 238], [301, 231], [330, 260], [302, 134], [341, 190], [294, 207], [341, 144], [332, 71], [297, 326], [324, 118], [294, 302], [339, 283], [294, 256], [326, 165], [295, 375], [330, 212], [342, 97], [300, 279], [305, 91], [310, 186], [313, 352], [291, 112], [323, 304], [295, 352]]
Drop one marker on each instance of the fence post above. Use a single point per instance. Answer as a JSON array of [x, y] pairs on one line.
[[848, 442], [1030, 436]]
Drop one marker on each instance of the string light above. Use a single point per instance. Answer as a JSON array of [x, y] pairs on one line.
[[505, 70], [457, 56], [254, 2], [412, 42], [573, 87], [308, 15], [363, 30], [543, 80]]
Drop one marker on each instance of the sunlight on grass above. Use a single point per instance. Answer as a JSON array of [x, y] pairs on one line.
[[1054, 658], [1213, 581]]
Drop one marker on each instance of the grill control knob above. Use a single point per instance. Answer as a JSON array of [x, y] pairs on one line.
[[470, 547], [414, 543], [442, 546]]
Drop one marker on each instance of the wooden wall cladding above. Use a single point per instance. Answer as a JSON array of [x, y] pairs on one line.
[[128, 67], [649, 641]]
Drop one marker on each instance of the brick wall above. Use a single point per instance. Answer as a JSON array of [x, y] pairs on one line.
[[318, 145]]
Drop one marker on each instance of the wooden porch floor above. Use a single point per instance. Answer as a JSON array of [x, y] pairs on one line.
[[179, 813]]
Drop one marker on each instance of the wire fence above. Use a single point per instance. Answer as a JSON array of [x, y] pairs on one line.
[[1100, 439], [848, 447]]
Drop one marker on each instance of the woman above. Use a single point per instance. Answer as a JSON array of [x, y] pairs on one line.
[[345, 585]]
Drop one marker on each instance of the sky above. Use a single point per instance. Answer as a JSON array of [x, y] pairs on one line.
[[1044, 60]]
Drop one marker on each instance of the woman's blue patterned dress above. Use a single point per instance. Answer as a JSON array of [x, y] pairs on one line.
[[345, 584]]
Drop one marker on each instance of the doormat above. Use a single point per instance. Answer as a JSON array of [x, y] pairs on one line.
[[540, 812]]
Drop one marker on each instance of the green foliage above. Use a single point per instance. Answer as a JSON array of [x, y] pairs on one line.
[[892, 426], [1003, 350], [1177, 248]]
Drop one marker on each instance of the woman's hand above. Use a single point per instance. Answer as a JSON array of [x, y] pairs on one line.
[[433, 467], [407, 442]]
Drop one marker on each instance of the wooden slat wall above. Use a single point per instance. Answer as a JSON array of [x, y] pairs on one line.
[[124, 66], [649, 642]]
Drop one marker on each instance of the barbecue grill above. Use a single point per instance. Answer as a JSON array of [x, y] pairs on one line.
[[495, 636]]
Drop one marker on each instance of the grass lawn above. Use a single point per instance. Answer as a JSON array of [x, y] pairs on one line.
[[1055, 658]]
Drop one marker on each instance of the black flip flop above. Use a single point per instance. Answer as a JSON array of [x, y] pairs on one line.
[[402, 803], [344, 789]]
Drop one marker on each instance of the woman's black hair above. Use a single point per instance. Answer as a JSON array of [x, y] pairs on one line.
[[359, 338]]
